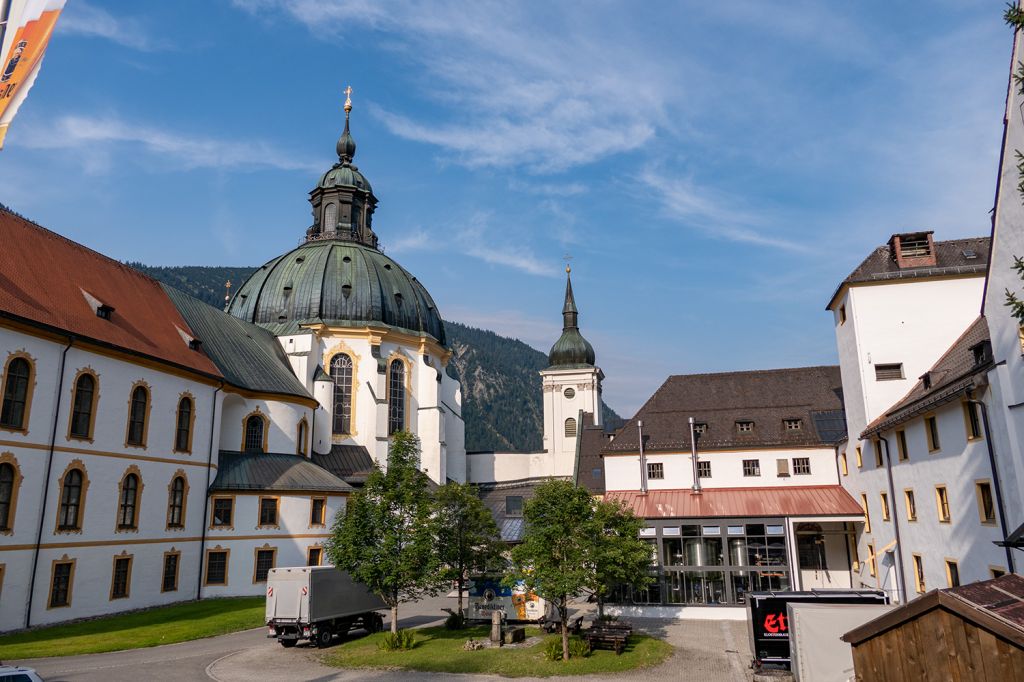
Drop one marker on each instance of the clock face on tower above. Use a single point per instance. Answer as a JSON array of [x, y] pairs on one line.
[[569, 393]]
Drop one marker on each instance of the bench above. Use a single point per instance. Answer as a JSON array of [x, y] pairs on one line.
[[575, 625], [602, 637]]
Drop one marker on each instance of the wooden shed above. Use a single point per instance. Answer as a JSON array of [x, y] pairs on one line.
[[972, 632]]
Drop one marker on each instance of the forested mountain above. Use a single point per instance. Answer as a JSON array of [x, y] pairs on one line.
[[500, 382]]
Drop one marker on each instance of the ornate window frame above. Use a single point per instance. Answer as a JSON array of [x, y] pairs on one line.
[[227, 566], [71, 582], [180, 473], [9, 458], [191, 422], [145, 417], [177, 570], [91, 436], [128, 579], [29, 391], [266, 429], [341, 348], [267, 547], [80, 520], [277, 512], [322, 523], [398, 356], [310, 548], [134, 527], [213, 506]]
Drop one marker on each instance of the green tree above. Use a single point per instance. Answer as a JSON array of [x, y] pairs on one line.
[[383, 539], [466, 537], [555, 559], [620, 556]]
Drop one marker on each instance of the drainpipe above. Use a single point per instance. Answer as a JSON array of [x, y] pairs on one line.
[[643, 459], [995, 477], [206, 497], [901, 580], [693, 457], [46, 482]]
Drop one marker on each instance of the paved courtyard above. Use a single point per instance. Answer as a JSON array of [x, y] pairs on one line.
[[706, 650]]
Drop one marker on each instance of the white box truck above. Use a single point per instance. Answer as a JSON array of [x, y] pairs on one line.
[[316, 603]]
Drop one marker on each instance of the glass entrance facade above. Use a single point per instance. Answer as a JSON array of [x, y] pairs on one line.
[[709, 563]]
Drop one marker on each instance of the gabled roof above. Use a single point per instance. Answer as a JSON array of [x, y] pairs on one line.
[[47, 280], [995, 605], [951, 376], [349, 462], [248, 356], [951, 259], [814, 500], [246, 471], [766, 397]]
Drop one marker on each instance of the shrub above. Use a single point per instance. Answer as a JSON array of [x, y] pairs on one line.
[[578, 648], [397, 641]]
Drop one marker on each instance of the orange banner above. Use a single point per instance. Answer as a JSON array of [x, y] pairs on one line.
[[20, 64]]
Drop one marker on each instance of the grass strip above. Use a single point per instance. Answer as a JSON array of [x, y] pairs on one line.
[[440, 650], [162, 625]]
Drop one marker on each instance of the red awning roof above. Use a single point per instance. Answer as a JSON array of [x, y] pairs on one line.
[[815, 500]]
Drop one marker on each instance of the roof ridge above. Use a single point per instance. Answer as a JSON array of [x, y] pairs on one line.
[[753, 371]]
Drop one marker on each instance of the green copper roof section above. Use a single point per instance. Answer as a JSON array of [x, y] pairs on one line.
[[248, 356], [339, 283], [571, 350], [273, 471]]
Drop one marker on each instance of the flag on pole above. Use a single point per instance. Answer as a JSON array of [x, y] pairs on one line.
[[25, 30]]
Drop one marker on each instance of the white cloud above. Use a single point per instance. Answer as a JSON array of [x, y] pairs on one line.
[[707, 210], [548, 189], [542, 96], [100, 135], [81, 18]]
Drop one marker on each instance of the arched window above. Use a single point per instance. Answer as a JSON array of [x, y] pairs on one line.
[[341, 374], [19, 375], [69, 517], [183, 430], [570, 427], [254, 433], [7, 474], [128, 505], [300, 437], [330, 217], [396, 396], [137, 416], [82, 406], [176, 503]]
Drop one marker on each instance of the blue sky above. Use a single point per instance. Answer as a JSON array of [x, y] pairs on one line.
[[714, 169]]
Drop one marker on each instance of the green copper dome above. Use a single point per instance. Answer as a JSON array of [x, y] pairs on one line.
[[571, 350], [339, 283]]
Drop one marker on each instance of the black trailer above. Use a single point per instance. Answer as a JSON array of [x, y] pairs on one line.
[[769, 625]]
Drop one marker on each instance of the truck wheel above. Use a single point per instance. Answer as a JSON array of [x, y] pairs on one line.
[[376, 623], [323, 638], [288, 643]]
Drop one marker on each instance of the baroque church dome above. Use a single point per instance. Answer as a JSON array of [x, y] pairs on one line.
[[339, 276]]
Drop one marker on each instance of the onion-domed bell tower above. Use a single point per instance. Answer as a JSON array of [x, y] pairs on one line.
[[572, 389], [343, 201]]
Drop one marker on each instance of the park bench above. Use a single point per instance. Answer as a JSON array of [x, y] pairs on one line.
[[575, 625], [604, 637]]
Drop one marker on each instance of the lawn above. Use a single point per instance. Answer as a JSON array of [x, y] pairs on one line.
[[440, 650], [164, 625]]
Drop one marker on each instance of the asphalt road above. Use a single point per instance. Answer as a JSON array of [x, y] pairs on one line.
[[191, 660]]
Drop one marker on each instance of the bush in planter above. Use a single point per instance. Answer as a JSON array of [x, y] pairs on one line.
[[578, 648], [397, 641]]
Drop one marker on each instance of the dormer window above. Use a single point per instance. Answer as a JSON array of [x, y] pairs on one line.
[[913, 250], [792, 424], [982, 352], [700, 428], [914, 245], [745, 426], [194, 344], [104, 311]]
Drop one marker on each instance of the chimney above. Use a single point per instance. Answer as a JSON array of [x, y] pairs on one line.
[[913, 250]]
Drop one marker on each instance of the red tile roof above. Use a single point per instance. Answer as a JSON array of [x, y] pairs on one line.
[[42, 280], [815, 500]]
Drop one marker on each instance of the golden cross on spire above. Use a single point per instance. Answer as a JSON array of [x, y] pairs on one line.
[[567, 258], [348, 99]]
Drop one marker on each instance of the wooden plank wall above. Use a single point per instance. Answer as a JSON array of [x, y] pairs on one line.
[[939, 646]]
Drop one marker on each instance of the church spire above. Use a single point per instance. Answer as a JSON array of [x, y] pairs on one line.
[[571, 350], [346, 146]]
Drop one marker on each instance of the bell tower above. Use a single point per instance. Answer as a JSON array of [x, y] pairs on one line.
[[571, 387]]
